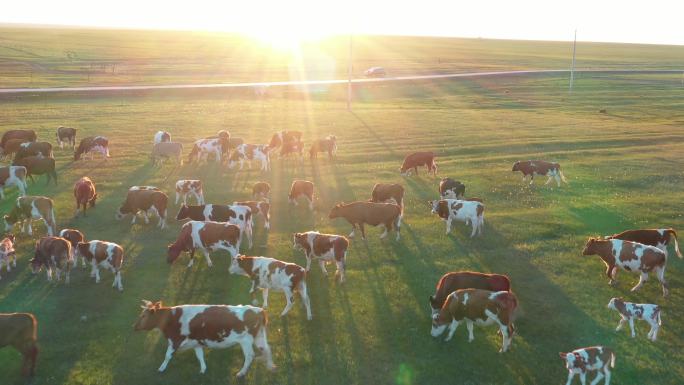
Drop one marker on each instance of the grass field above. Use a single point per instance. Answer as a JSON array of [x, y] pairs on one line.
[[625, 171]]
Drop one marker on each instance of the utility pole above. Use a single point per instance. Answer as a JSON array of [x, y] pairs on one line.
[[572, 70], [349, 75]]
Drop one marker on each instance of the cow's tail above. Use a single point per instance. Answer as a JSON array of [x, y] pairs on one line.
[[658, 313], [193, 152], [673, 236], [261, 340], [53, 221], [560, 173]]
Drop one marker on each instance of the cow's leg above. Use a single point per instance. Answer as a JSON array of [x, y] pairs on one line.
[[340, 270], [304, 293], [506, 337], [469, 325], [169, 353], [448, 225], [660, 274], [288, 297], [206, 256], [117, 280], [384, 233], [97, 273], [599, 377], [252, 292], [571, 375], [247, 349], [606, 371], [611, 272], [48, 271], [199, 353], [145, 217], [135, 217], [621, 324], [642, 279], [452, 329], [310, 203], [308, 262], [583, 377], [549, 180], [631, 326], [2, 193], [475, 225], [654, 330], [264, 295], [363, 231], [30, 228], [261, 342], [558, 180], [177, 196], [531, 178], [351, 235], [321, 263]]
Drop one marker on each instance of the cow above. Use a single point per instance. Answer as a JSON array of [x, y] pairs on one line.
[[250, 152], [451, 189], [329, 145], [258, 207], [140, 188], [222, 134], [162, 137], [20, 331], [359, 214], [213, 326], [11, 147], [165, 150], [53, 253], [630, 311], [28, 208], [583, 360], [91, 145], [66, 135], [184, 187], [388, 193], [540, 167], [74, 237], [234, 142], [7, 252], [25, 135], [477, 306], [324, 247], [413, 161], [468, 212], [146, 201], [261, 191], [206, 236], [202, 148], [659, 238], [235, 214], [457, 280], [301, 188], [269, 273], [630, 256], [84, 192], [279, 138], [13, 176], [38, 165], [293, 147], [107, 255], [40, 149]]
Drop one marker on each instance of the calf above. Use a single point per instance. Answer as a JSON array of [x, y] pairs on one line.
[[261, 191], [28, 208], [13, 176], [301, 188], [629, 311], [74, 237], [235, 214], [206, 236], [25, 135], [258, 207], [7, 252], [108, 255], [468, 212], [449, 188], [53, 253], [39, 149], [11, 147], [583, 360], [214, 326], [204, 147], [329, 145], [482, 307], [540, 167], [282, 137], [20, 331], [388, 192], [250, 152], [165, 150], [659, 238], [324, 247], [456, 280], [359, 214], [413, 161], [146, 201], [184, 187], [66, 135], [84, 192], [162, 137], [38, 165], [91, 145], [630, 256], [269, 273]]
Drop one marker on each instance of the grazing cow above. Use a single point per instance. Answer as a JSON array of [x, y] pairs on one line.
[[329, 145], [38, 165], [66, 135], [413, 161], [25, 135], [294, 147], [583, 360], [250, 152], [184, 187], [84, 192], [20, 330], [39, 149], [214, 326], [202, 148], [11, 147], [235, 215], [147, 201], [13, 176], [74, 237], [28, 208], [53, 253], [477, 306], [91, 145], [206, 236], [388, 193], [7, 252], [468, 212], [659, 238], [162, 137], [630, 256], [456, 280], [107, 255], [165, 150], [261, 191], [359, 214], [630, 311], [451, 189], [324, 247], [301, 188], [540, 167], [269, 273], [282, 137], [258, 207]]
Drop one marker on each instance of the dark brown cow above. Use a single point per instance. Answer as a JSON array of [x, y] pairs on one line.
[[359, 214], [258, 207], [38, 165], [329, 145], [84, 192], [38, 149], [261, 191], [413, 161], [66, 135], [145, 201], [91, 145], [13, 176], [583, 360], [659, 238], [288, 148], [108, 255], [20, 331], [74, 237], [11, 147], [26, 135], [206, 236], [53, 253], [279, 138], [388, 193], [456, 280], [540, 167], [301, 188], [453, 189], [324, 247]]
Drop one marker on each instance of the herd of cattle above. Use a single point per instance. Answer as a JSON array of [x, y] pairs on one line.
[[462, 296]]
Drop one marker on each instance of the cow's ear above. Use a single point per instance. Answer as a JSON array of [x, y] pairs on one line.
[[158, 305], [562, 355], [145, 304]]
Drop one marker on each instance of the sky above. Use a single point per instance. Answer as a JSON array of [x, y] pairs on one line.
[[653, 21]]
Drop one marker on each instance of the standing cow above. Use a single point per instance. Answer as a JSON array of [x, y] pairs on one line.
[[162, 137], [185, 187], [7, 252], [583, 360], [630, 311], [388, 193], [258, 207], [324, 247], [53, 253], [148, 200], [25, 135], [38, 165], [261, 191], [457, 280], [250, 152], [107, 255], [359, 214], [20, 331], [451, 189], [467, 212], [74, 237], [235, 214], [413, 161], [206, 236], [540, 167], [66, 135], [28, 208], [659, 238], [84, 192], [329, 145], [280, 138], [299, 189], [91, 145]]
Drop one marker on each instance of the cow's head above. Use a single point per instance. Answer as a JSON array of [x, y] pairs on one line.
[[299, 240], [572, 360], [83, 249], [437, 326], [10, 237], [92, 201], [516, 166], [404, 171], [590, 248], [615, 303], [237, 265], [36, 262], [336, 211], [78, 153], [434, 305], [149, 317], [183, 213], [173, 252], [276, 140]]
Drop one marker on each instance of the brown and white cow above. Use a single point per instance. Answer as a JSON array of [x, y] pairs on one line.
[[206, 236], [583, 360], [271, 274], [85, 194], [66, 135], [468, 212], [258, 207], [107, 255], [279, 138], [165, 150], [13, 176], [11, 147], [294, 147], [202, 148], [7, 252], [147, 201], [162, 137], [28, 208], [388, 193], [413, 161], [91, 145], [630, 311], [324, 247], [212, 326], [185, 187], [261, 191], [74, 237], [659, 238], [26, 135], [630, 256], [235, 214], [457, 280], [20, 331], [329, 145], [299, 189], [250, 152], [53, 253], [477, 306], [452, 189], [38, 165], [40, 149], [540, 167], [359, 214]]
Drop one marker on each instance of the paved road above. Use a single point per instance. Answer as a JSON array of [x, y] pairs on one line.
[[316, 82]]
